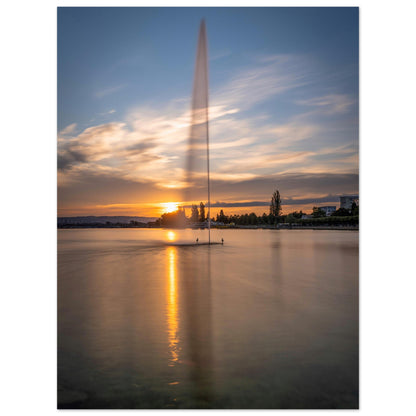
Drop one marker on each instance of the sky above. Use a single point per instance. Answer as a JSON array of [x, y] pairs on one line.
[[283, 85]]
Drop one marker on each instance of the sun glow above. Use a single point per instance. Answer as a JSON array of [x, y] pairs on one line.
[[170, 207], [171, 236]]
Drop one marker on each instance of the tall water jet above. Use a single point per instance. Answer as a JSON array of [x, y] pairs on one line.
[[198, 151]]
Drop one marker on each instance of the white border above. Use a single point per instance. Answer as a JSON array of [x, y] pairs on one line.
[[387, 198]]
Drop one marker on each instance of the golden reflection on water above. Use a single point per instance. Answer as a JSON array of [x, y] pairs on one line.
[[172, 306]]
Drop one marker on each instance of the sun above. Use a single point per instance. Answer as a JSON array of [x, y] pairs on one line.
[[170, 206]]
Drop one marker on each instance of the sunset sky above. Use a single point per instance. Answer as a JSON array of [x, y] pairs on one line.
[[283, 107]]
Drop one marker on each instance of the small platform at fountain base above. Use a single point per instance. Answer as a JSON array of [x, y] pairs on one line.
[[196, 244]]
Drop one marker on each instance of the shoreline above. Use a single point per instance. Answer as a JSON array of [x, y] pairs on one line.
[[247, 227]]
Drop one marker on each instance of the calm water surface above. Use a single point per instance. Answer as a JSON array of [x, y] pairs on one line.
[[267, 320]]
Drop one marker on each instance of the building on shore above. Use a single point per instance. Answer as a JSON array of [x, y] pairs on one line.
[[329, 209], [346, 201]]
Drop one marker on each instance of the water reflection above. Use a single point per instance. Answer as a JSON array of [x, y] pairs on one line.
[[189, 323], [269, 320], [172, 307], [198, 317]]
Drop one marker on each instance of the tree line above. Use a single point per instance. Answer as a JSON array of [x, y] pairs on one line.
[[341, 216]]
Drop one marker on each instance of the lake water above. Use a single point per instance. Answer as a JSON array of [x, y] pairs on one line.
[[267, 320]]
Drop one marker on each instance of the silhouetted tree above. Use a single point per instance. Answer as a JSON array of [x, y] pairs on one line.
[[194, 214], [296, 214], [174, 219], [276, 204], [318, 212], [341, 212], [291, 218], [354, 209], [221, 217], [202, 217], [265, 218]]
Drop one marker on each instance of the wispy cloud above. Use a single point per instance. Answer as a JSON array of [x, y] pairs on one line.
[[109, 90], [331, 104], [220, 54], [267, 78], [68, 130]]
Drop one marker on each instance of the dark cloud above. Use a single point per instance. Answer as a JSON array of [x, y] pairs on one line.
[[305, 201], [295, 189], [101, 189], [240, 204], [70, 153], [64, 162], [237, 204], [289, 185], [140, 147], [285, 201], [68, 158]]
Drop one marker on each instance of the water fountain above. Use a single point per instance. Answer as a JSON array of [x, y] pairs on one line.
[[198, 150]]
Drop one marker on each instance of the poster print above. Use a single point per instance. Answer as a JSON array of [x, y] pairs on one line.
[[208, 208]]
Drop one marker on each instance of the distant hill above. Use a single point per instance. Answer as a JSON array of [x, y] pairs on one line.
[[103, 220]]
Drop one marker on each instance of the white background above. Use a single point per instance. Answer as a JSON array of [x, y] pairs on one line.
[[387, 202]]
